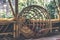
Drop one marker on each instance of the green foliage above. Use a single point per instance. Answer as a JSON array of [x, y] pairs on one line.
[[23, 3], [51, 8]]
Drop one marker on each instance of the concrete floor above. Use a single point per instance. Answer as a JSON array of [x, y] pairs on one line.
[[55, 37], [51, 36]]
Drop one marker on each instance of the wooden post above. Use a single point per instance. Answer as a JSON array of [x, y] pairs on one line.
[[9, 1], [14, 29], [16, 8], [15, 33], [15, 14], [16, 18]]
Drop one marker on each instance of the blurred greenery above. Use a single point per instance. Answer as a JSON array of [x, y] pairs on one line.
[[52, 9], [50, 6]]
